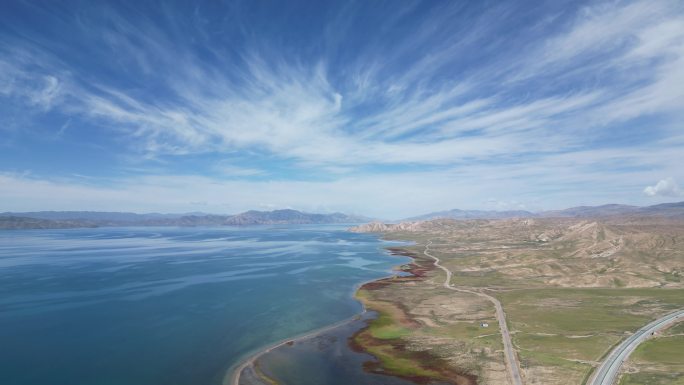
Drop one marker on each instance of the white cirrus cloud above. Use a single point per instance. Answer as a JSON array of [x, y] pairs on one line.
[[314, 113]]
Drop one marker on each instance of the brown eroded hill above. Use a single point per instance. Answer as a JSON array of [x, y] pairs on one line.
[[565, 252]]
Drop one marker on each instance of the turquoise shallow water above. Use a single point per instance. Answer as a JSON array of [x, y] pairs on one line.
[[325, 358], [168, 306]]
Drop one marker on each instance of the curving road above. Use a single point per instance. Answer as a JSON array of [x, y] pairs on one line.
[[607, 373], [511, 359]]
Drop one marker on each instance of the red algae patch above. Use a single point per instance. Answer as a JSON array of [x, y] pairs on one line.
[[382, 336]]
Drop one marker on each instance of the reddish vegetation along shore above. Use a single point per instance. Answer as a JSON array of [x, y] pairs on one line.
[[435, 369]]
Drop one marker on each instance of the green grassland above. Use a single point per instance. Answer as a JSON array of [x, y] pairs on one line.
[[411, 338], [566, 310], [676, 329], [472, 331], [667, 350], [384, 339], [659, 360], [651, 378], [568, 329]]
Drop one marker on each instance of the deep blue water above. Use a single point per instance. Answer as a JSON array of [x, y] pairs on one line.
[[153, 306]]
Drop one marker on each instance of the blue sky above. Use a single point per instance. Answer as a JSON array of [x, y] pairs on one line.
[[387, 109]]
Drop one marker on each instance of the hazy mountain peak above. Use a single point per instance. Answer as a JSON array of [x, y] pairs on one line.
[[611, 209]]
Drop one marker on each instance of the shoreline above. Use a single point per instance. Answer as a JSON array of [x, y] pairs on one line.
[[232, 376]]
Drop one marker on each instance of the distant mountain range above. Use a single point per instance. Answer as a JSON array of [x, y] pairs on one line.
[[114, 216], [669, 210], [10, 222], [290, 217], [73, 219], [664, 209], [472, 214]]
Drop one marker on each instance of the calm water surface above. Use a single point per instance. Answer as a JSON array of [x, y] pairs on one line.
[[148, 306], [322, 359]]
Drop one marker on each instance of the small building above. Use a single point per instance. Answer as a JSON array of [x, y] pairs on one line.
[[484, 325]]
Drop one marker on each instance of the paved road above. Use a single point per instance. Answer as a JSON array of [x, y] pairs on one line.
[[511, 359], [608, 372]]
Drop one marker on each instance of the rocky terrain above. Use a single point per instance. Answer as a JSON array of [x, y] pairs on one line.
[[560, 251], [571, 288]]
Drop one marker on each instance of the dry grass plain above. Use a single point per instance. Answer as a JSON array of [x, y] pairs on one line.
[[571, 289]]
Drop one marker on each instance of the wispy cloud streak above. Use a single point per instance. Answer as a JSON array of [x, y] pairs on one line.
[[421, 90]]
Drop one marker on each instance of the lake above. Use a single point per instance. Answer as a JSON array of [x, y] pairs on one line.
[[153, 306]]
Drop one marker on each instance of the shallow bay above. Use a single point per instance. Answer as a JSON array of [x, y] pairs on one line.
[[323, 358]]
